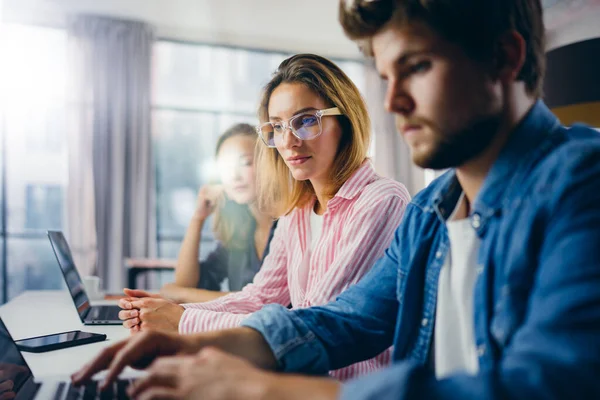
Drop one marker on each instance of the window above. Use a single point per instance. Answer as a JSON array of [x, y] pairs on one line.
[[34, 158], [200, 91], [43, 207]]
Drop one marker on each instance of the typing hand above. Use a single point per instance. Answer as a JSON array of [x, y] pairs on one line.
[[6, 389], [137, 351], [211, 374], [9, 374]]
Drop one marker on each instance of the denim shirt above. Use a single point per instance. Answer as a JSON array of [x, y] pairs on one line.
[[536, 296]]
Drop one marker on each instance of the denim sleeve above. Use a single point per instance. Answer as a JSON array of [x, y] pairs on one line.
[[357, 326], [555, 353]]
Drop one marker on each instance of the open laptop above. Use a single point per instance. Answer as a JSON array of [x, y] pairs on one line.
[[90, 315], [23, 386]]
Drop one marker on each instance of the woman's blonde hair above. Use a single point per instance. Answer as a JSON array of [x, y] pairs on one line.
[[233, 222], [278, 192]]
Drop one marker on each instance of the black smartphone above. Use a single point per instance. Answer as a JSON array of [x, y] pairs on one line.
[[57, 341]]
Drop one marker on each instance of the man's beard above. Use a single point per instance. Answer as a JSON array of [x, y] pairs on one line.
[[454, 149]]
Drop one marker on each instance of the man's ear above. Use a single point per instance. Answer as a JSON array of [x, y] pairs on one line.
[[509, 56]]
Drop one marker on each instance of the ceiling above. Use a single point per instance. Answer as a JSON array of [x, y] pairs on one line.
[[267, 24], [290, 25], [560, 12], [569, 21]]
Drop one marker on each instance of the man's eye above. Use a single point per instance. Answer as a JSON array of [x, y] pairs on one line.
[[420, 67]]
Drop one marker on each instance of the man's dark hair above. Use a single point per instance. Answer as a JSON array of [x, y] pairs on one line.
[[475, 25]]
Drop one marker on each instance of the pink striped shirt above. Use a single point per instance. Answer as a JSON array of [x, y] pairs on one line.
[[358, 226]]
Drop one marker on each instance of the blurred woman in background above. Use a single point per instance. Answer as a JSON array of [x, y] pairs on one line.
[[241, 230]]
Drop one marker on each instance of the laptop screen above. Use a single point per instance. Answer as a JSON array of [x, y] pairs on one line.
[[14, 371], [67, 266]]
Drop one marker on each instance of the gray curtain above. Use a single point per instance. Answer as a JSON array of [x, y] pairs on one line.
[[110, 199], [391, 153]]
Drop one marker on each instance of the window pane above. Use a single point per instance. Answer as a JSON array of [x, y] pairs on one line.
[[184, 146], [250, 72], [183, 75], [31, 266], [2, 166], [35, 64], [36, 169], [226, 121], [36, 164], [355, 71], [170, 248], [210, 77], [2, 293], [43, 207]]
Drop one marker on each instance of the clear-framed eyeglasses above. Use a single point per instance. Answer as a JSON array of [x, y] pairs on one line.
[[305, 126]]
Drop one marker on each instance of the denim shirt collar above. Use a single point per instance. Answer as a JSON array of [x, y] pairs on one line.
[[528, 135]]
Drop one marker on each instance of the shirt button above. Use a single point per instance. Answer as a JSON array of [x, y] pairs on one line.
[[438, 254], [476, 221], [479, 270], [481, 350], [424, 322]]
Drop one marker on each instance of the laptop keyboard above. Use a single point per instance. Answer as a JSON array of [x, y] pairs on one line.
[[118, 390], [105, 313]]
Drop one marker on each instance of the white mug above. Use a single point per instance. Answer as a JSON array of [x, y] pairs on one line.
[[92, 287]]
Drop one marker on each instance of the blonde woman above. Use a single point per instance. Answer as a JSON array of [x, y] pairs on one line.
[[337, 216]]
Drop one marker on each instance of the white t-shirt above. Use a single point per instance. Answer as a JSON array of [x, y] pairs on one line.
[[316, 226], [454, 341]]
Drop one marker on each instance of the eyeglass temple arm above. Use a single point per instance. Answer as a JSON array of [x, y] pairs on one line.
[[331, 111]]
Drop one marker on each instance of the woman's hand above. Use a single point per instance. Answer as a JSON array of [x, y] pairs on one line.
[[148, 311], [206, 202]]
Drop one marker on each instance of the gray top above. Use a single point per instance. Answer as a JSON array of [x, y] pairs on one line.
[[238, 265]]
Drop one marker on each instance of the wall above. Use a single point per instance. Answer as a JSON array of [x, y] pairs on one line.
[[572, 85]]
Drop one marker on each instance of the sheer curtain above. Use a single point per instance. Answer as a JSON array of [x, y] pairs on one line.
[[110, 198]]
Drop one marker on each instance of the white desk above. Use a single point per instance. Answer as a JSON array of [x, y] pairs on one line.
[[36, 313]]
